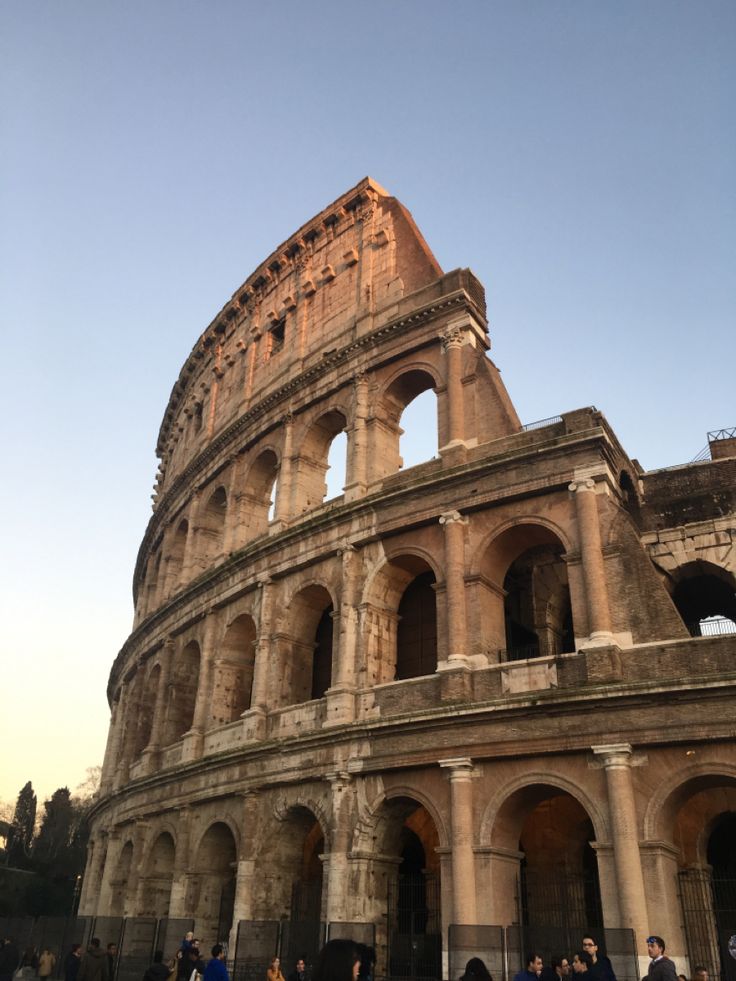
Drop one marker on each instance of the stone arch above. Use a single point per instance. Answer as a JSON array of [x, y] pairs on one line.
[[259, 493], [525, 603], [367, 829], [157, 876], [704, 595], [147, 702], [540, 833], [290, 851], [305, 643], [399, 389], [666, 800], [211, 889], [177, 550], [233, 674], [392, 653], [182, 693], [119, 881], [211, 525], [310, 466]]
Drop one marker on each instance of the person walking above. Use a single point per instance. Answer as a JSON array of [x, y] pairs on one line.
[[533, 968], [71, 963], [338, 960], [602, 969], [94, 963], [46, 964], [216, 970], [661, 967], [158, 971]]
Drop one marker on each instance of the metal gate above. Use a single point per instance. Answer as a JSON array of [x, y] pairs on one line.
[[414, 930], [709, 912]]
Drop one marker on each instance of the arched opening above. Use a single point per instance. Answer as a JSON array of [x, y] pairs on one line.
[[700, 819], [260, 496], [411, 879], [211, 892], [628, 490], [705, 597], [212, 526], [307, 646], [156, 879], [293, 890], [526, 610], [311, 465], [182, 693], [396, 431], [119, 883], [555, 885], [233, 679], [176, 555], [418, 441], [336, 476], [416, 636], [399, 622], [145, 711]]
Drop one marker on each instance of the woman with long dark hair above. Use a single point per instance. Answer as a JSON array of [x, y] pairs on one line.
[[338, 961], [476, 970]]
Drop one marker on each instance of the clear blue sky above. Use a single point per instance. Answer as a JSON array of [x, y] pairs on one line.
[[578, 156]]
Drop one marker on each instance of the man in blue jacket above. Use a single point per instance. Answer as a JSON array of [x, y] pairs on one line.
[[216, 970]]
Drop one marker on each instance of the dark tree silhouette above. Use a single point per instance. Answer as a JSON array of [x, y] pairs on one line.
[[21, 831]]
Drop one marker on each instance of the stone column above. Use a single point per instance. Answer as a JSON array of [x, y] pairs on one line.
[[246, 871], [178, 900], [230, 538], [194, 739], [594, 573], [453, 339], [121, 760], [112, 857], [341, 694], [256, 724], [96, 851], [338, 892], [453, 523], [285, 507], [136, 864], [356, 478], [616, 759], [460, 771], [159, 708], [112, 746], [189, 563]]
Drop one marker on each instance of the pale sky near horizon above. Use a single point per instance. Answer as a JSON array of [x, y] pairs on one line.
[[578, 156]]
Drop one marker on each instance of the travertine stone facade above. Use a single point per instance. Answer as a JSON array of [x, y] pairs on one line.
[[479, 668]]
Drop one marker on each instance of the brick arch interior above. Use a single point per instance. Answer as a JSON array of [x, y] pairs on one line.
[[310, 466], [390, 647], [385, 425], [156, 878], [211, 530], [689, 812], [211, 886], [701, 590], [524, 600], [259, 492], [182, 693], [291, 881], [233, 675], [305, 645]]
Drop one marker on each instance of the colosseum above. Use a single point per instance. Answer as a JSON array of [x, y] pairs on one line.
[[463, 707]]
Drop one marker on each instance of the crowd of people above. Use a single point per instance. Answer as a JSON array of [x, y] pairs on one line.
[[339, 960]]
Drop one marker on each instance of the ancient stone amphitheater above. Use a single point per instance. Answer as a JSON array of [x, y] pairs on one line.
[[492, 690]]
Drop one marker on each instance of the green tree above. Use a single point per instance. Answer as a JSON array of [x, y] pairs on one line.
[[55, 834], [21, 830]]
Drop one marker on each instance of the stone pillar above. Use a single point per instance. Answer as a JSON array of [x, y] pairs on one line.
[[357, 476], [594, 573], [453, 339], [246, 871], [112, 857], [193, 742], [338, 892], [96, 851], [136, 864], [178, 900], [159, 709], [461, 774], [616, 759], [341, 694], [285, 506], [189, 563], [453, 523], [112, 746], [231, 539], [121, 761], [256, 723]]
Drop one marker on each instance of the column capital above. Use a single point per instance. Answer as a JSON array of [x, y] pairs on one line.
[[344, 547], [616, 755], [452, 517], [453, 335], [459, 768], [263, 582], [581, 484], [338, 778]]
